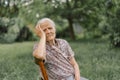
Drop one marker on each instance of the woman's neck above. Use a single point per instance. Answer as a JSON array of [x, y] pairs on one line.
[[51, 42]]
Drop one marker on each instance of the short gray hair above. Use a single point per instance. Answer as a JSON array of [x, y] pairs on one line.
[[46, 19]]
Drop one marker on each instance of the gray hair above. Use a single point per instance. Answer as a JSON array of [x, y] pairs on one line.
[[46, 19]]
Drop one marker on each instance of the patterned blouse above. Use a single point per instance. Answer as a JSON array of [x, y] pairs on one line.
[[57, 61]]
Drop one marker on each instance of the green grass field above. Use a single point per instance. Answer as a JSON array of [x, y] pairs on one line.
[[97, 61]]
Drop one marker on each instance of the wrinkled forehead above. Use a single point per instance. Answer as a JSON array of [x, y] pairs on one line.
[[46, 24]]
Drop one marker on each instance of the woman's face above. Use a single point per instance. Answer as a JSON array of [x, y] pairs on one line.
[[49, 30]]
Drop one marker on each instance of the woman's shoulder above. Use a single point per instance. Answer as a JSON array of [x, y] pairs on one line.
[[61, 40]]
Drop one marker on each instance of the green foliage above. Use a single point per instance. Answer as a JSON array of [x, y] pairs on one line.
[[10, 21], [113, 13], [115, 32], [97, 17], [11, 35], [68, 9], [10, 29], [8, 9], [33, 12], [25, 34]]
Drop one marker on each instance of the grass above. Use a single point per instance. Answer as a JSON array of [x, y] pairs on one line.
[[96, 61], [16, 62]]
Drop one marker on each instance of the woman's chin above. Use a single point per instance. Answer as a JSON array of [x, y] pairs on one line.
[[50, 39]]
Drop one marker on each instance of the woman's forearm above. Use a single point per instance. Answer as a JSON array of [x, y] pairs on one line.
[[76, 68], [39, 52], [77, 72]]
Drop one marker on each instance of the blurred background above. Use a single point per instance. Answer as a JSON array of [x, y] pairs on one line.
[[92, 28]]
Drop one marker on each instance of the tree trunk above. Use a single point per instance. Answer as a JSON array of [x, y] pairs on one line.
[[70, 22]]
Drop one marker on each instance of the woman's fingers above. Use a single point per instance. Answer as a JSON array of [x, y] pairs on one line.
[[38, 28], [39, 31]]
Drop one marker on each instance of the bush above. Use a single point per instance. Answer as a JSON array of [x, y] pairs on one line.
[[114, 31], [14, 29], [25, 35], [113, 15], [11, 35]]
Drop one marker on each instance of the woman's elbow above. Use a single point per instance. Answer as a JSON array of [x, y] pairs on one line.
[[38, 56]]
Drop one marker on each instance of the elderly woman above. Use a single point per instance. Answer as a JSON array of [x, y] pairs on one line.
[[59, 58]]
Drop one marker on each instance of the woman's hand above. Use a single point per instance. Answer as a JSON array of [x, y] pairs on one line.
[[40, 33]]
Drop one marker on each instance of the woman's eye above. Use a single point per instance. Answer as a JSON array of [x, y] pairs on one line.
[[50, 28], [44, 30]]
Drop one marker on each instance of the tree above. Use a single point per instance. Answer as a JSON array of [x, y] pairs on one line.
[[33, 12], [10, 22], [67, 9], [87, 12], [113, 18]]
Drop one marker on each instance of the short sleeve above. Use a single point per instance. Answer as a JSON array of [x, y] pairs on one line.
[[70, 52]]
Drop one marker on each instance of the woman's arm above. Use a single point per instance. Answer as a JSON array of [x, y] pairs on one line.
[[76, 68], [40, 51]]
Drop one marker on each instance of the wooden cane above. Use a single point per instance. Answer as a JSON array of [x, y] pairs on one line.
[[43, 70]]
